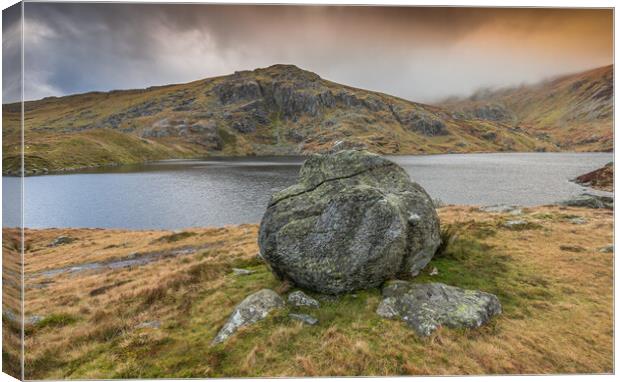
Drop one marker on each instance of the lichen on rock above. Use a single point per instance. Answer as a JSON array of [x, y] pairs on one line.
[[347, 224], [252, 309], [426, 307]]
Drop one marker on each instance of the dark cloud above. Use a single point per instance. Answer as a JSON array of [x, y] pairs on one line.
[[11, 54], [416, 53]]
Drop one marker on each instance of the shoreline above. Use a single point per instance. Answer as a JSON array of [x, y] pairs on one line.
[[102, 168]]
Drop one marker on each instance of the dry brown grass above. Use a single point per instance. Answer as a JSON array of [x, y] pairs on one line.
[[11, 302], [557, 306]]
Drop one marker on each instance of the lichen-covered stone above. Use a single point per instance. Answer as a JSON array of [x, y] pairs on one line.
[[353, 220], [252, 309], [426, 307], [299, 298]]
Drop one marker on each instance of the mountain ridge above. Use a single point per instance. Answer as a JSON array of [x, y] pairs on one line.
[[573, 110], [277, 110]]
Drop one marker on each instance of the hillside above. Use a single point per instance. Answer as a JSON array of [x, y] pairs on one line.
[[279, 110], [574, 112]]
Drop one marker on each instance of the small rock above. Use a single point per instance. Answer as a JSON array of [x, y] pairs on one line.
[[434, 272], [572, 248], [61, 240], [516, 224], [607, 249], [502, 208], [425, 307], [252, 309], [299, 298], [577, 220], [149, 325], [242, 272], [32, 320], [305, 318]]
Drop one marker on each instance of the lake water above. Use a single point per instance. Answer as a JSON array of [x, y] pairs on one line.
[[215, 192]]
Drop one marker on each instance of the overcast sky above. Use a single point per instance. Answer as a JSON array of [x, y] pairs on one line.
[[421, 54]]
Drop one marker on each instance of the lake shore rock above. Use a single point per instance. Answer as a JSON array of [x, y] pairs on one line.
[[353, 220], [600, 179], [590, 201], [426, 307]]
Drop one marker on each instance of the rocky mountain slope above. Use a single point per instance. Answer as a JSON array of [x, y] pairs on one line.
[[574, 112], [279, 110]]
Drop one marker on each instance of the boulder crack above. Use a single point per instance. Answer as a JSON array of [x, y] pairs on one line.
[[328, 180]]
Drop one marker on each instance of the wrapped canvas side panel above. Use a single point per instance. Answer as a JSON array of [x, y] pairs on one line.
[[12, 186]]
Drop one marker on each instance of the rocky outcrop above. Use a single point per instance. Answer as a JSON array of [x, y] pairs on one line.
[[426, 307], [252, 309], [419, 121], [490, 112], [353, 220], [600, 179], [590, 201]]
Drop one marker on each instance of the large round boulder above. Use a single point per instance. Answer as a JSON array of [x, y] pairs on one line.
[[353, 220]]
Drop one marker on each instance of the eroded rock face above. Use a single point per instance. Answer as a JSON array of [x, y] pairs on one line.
[[252, 309], [352, 221], [426, 307]]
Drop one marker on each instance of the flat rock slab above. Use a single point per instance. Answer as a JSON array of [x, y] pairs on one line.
[[149, 325], [577, 220], [299, 298], [426, 307], [502, 208], [590, 201], [241, 272], [252, 309], [305, 318], [517, 225]]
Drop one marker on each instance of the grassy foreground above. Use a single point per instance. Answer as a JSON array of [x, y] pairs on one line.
[[555, 286]]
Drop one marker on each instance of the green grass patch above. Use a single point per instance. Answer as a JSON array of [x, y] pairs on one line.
[[56, 320]]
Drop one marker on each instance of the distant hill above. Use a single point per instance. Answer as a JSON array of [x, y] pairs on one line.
[[574, 112], [284, 110]]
